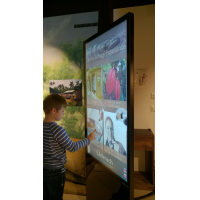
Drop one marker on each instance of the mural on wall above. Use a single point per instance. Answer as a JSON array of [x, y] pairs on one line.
[[63, 61], [71, 90]]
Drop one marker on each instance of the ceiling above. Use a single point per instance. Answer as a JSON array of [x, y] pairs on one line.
[[61, 7]]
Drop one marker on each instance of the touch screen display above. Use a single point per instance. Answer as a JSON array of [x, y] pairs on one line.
[[106, 92]]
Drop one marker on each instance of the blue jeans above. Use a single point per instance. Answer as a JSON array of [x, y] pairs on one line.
[[53, 184]]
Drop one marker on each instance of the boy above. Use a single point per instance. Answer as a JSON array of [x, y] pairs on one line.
[[55, 143]]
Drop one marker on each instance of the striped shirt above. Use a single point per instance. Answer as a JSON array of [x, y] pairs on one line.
[[55, 143]]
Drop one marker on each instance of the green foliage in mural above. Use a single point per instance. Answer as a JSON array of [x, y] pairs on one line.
[[73, 109], [74, 52], [63, 70], [74, 118], [73, 129], [46, 72]]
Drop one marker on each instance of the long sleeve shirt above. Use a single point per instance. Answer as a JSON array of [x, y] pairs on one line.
[[55, 143]]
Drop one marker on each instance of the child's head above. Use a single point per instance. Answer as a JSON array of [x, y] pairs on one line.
[[53, 101]]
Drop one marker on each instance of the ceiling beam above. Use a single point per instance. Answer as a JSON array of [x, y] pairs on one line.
[[60, 7]]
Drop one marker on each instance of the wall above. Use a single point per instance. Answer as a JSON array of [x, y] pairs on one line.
[[61, 39], [144, 58]]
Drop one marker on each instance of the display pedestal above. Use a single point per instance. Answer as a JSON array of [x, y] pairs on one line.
[[123, 193]]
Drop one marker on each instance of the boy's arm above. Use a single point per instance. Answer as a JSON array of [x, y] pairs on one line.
[[64, 140], [74, 146]]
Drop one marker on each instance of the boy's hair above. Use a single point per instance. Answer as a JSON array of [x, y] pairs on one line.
[[53, 101]]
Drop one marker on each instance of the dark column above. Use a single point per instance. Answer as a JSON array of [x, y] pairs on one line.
[[105, 14]]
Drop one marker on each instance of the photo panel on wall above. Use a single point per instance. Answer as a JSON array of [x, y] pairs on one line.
[[70, 89]]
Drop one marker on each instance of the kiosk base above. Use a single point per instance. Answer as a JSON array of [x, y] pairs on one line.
[[123, 193]]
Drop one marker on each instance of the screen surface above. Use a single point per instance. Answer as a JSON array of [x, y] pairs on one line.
[[106, 92]]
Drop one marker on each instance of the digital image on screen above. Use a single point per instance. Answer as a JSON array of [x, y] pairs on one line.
[[106, 91], [94, 83], [95, 121], [115, 132], [114, 80]]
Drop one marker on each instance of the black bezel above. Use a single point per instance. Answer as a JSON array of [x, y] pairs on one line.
[[129, 17]]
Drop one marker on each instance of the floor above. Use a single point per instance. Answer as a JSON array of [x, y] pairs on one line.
[[137, 193], [73, 197]]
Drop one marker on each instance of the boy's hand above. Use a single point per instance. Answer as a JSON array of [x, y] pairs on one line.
[[92, 135]]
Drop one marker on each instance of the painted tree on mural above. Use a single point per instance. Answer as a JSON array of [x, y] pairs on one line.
[[63, 70], [67, 64], [71, 85], [46, 72], [77, 82], [71, 123], [74, 52]]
